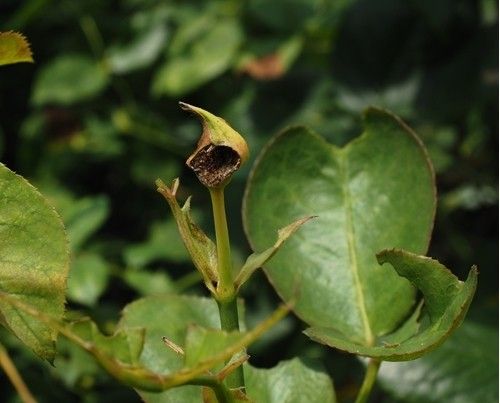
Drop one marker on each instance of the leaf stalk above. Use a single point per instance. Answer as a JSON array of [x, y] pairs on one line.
[[368, 381], [226, 291], [225, 286]]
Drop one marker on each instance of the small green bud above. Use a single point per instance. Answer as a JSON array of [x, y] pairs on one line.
[[221, 150]]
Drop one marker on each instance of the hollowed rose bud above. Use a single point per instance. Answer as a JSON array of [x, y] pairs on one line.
[[220, 151]]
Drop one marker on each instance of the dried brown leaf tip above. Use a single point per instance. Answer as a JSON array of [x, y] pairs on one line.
[[220, 151]]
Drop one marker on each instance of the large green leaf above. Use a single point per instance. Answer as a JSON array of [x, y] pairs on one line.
[[446, 299], [463, 370], [377, 192], [34, 261], [289, 382]]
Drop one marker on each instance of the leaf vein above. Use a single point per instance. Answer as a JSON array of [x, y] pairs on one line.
[[351, 244]]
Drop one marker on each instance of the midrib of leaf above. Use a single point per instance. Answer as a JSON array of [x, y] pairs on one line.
[[351, 244]]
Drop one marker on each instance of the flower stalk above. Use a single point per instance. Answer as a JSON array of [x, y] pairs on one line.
[[226, 291], [219, 153]]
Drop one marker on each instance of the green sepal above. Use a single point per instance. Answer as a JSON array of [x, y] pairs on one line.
[[200, 246], [220, 151]]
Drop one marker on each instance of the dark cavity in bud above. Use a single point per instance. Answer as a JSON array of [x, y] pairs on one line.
[[214, 165]]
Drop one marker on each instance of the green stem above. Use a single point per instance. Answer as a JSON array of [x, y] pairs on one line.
[[228, 312], [226, 293], [222, 393], [369, 381], [225, 287], [14, 377]]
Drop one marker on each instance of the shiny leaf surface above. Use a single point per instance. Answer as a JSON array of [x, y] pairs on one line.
[[377, 192]]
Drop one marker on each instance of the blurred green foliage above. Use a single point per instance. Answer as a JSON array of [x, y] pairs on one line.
[[95, 121]]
